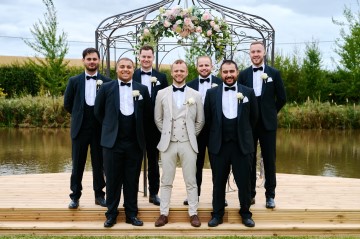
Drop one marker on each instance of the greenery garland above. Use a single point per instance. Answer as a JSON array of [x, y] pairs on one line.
[[188, 23]]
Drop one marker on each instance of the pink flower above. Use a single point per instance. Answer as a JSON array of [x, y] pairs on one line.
[[187, 21], [184, 33], [212, 23], [198, 29], [206, 16], [146, 31], [209, 33], [167, 23], [217, 28]]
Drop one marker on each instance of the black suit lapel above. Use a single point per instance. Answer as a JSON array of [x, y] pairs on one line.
[[240, 103], [263, 81], [82, 88], [250, 77], [136, 99], [219, 103], [137, 76], [117, 95]]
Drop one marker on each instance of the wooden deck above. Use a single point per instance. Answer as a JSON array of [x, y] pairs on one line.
[[305, 205]]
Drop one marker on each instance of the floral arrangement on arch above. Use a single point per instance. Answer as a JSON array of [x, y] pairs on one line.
[[188, 23]]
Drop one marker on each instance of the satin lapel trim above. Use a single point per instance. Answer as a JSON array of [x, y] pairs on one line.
[[82, 88], [137, 77], [117, 96], [170, 100], [263, 82], [239, 104], [251, 77], [219, 102], [135, 99]]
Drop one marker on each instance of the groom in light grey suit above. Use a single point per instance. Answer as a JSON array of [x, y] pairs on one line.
[[179, 115]]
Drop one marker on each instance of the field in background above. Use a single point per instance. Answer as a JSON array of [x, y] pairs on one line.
[[8, 60]]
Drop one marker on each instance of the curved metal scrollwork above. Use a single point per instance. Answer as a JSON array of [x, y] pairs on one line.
[[117, 35]]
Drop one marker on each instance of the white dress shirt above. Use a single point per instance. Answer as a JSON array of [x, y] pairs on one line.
[[257, 81], [230, 102], [145, 80], [90, 90], [126, 99], [179, 97], [203, 87]]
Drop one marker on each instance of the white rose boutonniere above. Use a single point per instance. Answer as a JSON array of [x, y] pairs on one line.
[[213, 85], [239, 96], [190, 101], [136, 94], [264, 76], [98, 84], [153, 80]]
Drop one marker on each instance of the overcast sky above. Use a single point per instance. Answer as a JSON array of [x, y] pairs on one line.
[[295, 22]]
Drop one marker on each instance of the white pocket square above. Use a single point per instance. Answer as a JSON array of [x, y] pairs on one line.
[[140, 97], [245, 100], [270, 79], [158, 83]]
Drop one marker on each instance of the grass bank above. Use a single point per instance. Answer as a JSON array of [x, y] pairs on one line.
[[48, 112]]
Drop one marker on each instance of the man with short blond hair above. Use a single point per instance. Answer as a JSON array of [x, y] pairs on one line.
[[179, 115]]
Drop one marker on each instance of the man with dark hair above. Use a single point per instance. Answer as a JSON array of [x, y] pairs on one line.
[[231, 113], [202, 83], [154, 81], [270, 94], [123, 108], [79, 101]]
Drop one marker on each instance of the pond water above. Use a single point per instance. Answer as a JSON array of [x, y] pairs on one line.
[[333, 153]]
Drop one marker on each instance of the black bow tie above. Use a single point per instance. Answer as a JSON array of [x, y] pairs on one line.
[[203, 80], [229, 88], [180, 89], [91, 77], [146, 73], [123, 84], [258, 69]]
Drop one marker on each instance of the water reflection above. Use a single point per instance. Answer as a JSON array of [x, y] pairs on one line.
[[310, 152]]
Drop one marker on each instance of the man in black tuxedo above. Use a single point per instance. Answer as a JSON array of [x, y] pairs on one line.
[[270, 93], [123, 108], [79, 101], [155, 81], [202, 83], [230, 114]]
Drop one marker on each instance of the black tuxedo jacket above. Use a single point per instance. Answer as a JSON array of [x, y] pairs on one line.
[[161, 78], [107, 109], [246, 119], [273, 96], [195, 82], [74, 100]]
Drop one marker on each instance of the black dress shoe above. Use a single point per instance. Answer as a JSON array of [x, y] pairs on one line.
[[74, 204], [100, 201], [186, 203], [110, 222], [226, 203], [134, 221], [248, 222], [252, 202], [214, 222], [154, 199], [270, 203]]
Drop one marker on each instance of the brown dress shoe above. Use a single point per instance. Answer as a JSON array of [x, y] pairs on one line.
[[195, 221], [161, 221]]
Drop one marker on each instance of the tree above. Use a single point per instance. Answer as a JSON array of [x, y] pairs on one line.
[[348, 48], [313, 83], [49, 66]]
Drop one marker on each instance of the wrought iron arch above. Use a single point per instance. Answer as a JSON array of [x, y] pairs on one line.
[[117, 35]]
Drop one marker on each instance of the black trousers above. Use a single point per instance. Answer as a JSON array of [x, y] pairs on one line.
[[87, 137], [122, 166], [267, 140], [229, 158], [152, 153], [202, 141]]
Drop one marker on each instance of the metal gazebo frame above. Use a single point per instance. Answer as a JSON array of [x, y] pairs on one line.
[[116, 36]]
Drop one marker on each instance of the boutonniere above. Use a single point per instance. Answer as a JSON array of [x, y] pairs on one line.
[[98, 84], [190, 101], [213, 85], [136, 94], [239, 96], [264, 76], [153, 80]]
